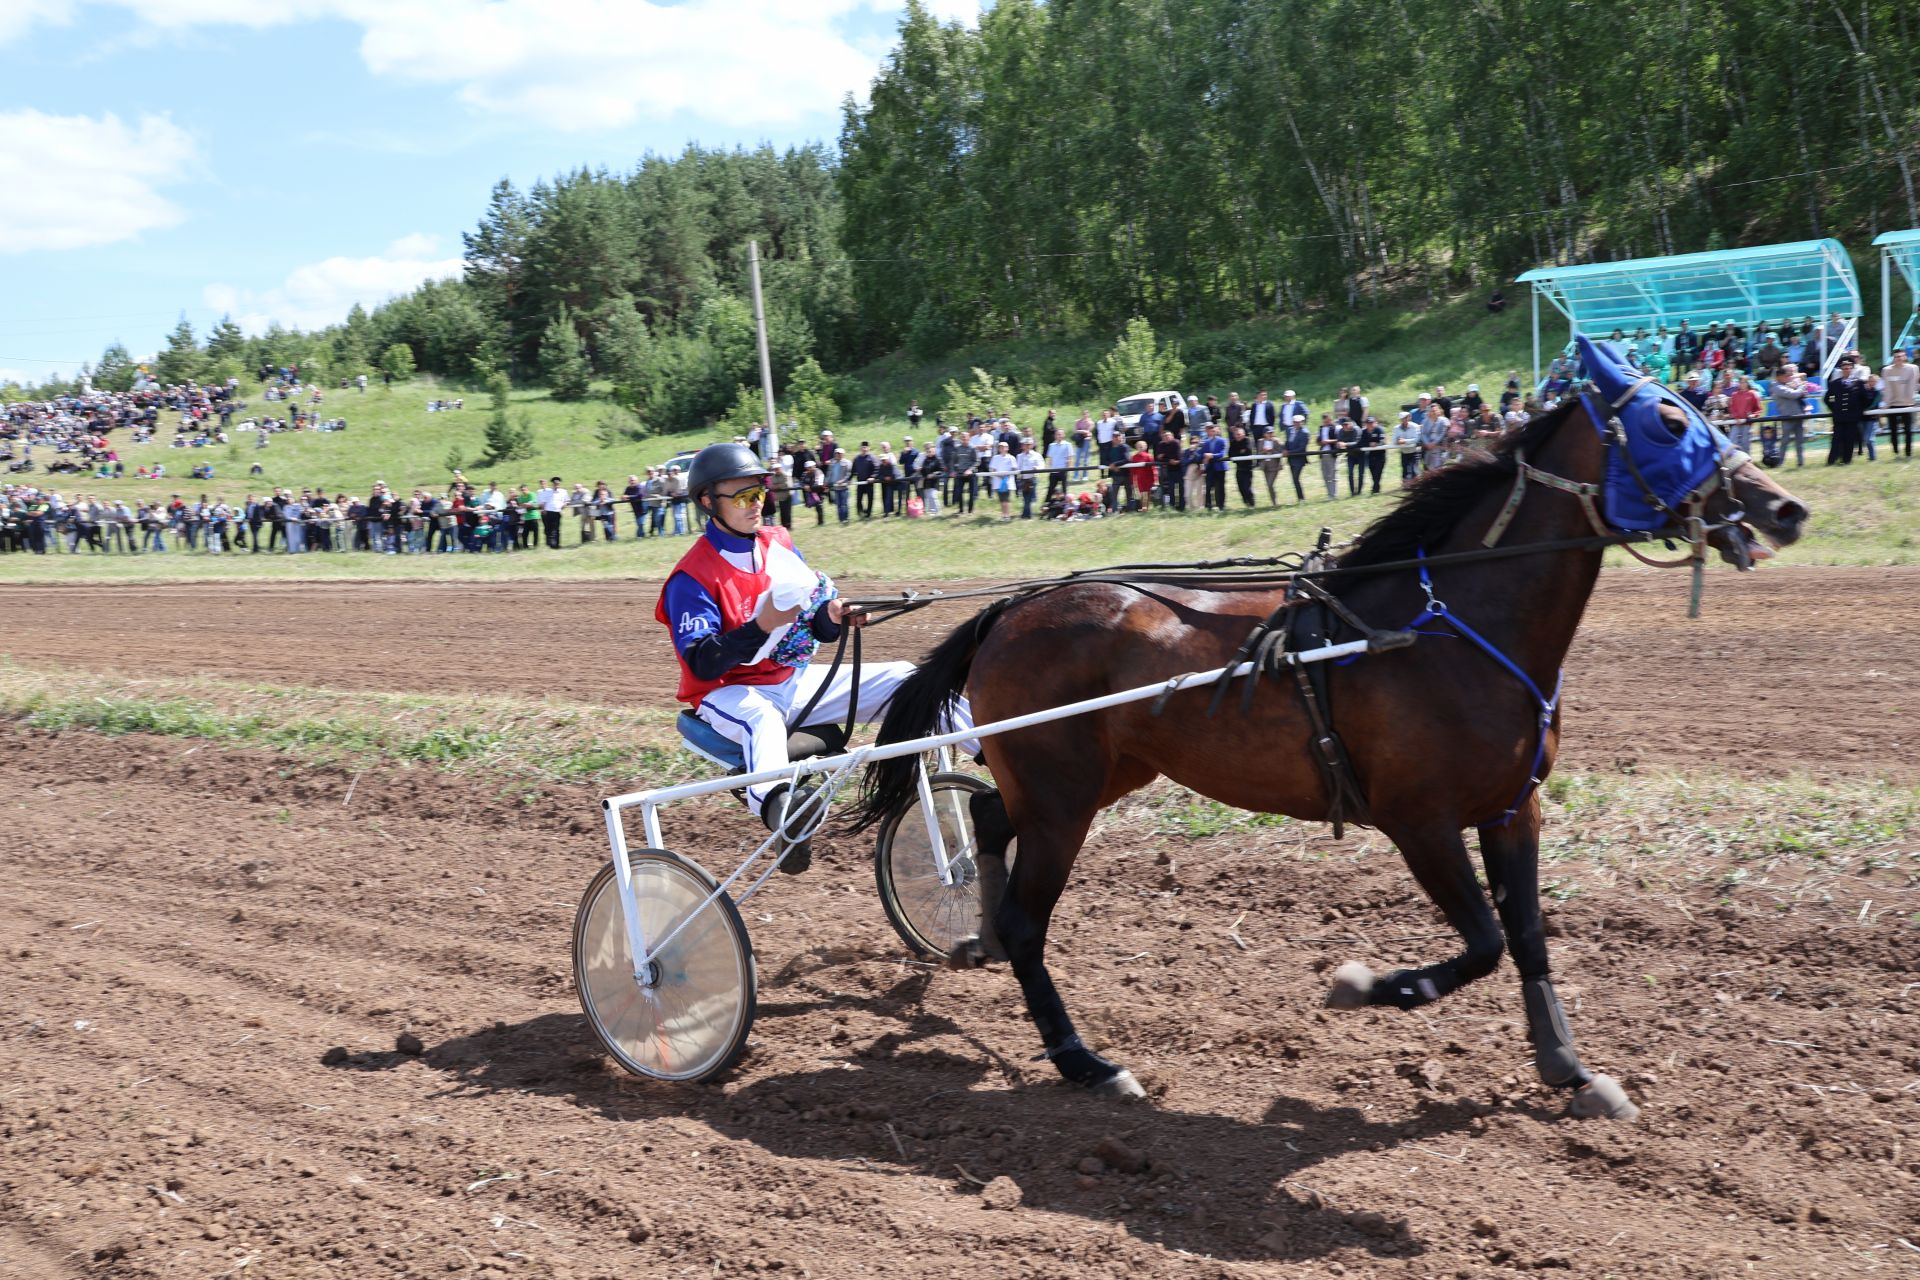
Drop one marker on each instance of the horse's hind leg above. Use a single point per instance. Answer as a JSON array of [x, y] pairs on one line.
[[1512, 856], [1438, 859], [1048, 846]]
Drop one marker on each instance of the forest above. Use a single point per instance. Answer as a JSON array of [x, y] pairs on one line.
[[1059, 168]]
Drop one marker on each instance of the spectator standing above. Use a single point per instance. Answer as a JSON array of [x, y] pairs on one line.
[[1406, 441], [1001, 470], [1261, 418], [1743, 406], [1899, 391], [1790, 393], [1166, 456], [1328, 442], [914, 414], [1267, 449], [1296, 443], [636, 495], [1292, 410], [1028, 463], [1846, 397], [1082, 445], [1106, 433], [1240, 458], [1059, 463], [864, 465], [1356, 461], [1373, 446], [1199, 417], [839, 480], [886, 477], [1215, 449]]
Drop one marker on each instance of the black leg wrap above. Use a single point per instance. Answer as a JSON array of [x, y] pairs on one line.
[[1081, 1065], [1553, 1054], [1412, 988]]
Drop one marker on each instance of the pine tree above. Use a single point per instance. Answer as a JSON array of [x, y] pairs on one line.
[[811, 396], [181, 359], [563, 360], [397, 362], [507, 439], [116, 369], [225, 341]]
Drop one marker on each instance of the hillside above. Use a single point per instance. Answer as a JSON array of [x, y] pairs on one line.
[[1392, 353]]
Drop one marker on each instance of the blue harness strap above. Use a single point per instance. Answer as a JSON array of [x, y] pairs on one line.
[[1436, 611]]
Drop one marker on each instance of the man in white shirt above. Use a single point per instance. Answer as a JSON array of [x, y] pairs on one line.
[[1059, 460], [1899, 382], [1260, 416], [553, 500], [1029, 464]]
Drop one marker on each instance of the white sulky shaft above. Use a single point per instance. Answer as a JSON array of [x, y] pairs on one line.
[[846, 761]]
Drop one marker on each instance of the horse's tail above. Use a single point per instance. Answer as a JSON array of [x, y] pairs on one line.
[[920, 702]]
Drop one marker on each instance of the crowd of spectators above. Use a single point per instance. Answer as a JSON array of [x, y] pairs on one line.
[[1178, 454]]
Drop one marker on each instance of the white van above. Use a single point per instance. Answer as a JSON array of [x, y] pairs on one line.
[[1133, 406]]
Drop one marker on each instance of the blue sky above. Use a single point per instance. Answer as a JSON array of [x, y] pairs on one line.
[[282, 159]]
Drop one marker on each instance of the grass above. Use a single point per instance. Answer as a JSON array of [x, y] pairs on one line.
[[539, 740]]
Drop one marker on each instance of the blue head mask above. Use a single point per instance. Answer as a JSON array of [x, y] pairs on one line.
[[1673, 464]]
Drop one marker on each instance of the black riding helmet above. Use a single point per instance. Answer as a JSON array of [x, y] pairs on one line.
[[719, 462]]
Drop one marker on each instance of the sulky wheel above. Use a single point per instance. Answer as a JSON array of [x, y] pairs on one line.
[[930, 916], [686, 1017]]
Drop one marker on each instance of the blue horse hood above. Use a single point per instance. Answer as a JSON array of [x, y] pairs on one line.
[[1672, 465]]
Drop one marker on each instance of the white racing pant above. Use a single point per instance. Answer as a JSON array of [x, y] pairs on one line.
[[759, 716]]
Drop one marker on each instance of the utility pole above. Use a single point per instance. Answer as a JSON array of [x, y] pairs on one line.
[[770, 441]]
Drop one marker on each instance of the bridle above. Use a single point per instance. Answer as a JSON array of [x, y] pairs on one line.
[[1687, 520]]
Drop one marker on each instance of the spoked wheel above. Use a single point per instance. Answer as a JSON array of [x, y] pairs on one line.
[[930, 916], [686, 1015]]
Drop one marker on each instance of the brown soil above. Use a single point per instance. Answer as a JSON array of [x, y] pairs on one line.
[[189, 931]]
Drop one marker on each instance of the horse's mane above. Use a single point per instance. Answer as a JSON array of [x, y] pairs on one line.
[[1436, 501]]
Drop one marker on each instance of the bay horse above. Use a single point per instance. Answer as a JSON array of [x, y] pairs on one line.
[[1440, 736]]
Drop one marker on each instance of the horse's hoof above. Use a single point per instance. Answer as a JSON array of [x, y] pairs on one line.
[[1602, 1098], [1120, 1085], [1352, 984], [969, 953]]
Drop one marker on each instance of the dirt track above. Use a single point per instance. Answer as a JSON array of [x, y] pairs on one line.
[[189, 931]]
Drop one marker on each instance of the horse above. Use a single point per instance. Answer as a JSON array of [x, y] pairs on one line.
[[1440, 735]]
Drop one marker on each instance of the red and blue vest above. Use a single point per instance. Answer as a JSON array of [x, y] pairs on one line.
[[736, 591]]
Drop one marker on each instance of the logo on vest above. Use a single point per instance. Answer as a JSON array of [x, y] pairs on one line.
[[694, 624]]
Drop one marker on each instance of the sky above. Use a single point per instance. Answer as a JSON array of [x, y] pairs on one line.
[[284, 159]]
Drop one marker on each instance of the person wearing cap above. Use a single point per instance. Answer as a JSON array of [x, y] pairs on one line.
[[746, 614], [1293, 411], [1198, 418], [1695, 391], [1406, 442], [1847, 398]]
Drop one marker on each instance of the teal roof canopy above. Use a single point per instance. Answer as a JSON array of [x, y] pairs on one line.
[[1899, 251], [1762, 283]]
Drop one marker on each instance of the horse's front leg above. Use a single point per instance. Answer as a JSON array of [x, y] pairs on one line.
[[1512, 857], [1039, 875], [1438, 859]]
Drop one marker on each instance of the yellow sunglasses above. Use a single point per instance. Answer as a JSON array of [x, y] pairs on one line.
[[746, 499]]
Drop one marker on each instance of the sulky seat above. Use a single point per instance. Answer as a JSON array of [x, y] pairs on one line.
[[707, 742]]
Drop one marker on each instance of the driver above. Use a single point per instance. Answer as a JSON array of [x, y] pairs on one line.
[[746, 614]]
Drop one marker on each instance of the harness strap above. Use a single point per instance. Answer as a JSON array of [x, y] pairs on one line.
[[1437, 611]]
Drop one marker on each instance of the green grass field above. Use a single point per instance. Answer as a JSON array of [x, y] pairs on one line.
[[1864, 515]]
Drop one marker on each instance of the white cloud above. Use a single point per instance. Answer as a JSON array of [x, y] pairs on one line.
[[584, 64], [74, 181], [321, 293], [17, 15]]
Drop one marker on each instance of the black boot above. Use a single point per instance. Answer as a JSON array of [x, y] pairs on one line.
[[799, 855]]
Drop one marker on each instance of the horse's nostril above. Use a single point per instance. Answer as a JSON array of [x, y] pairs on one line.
[[1789, 513]]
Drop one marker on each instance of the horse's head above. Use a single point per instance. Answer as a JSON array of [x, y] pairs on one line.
[[1667, 465]]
